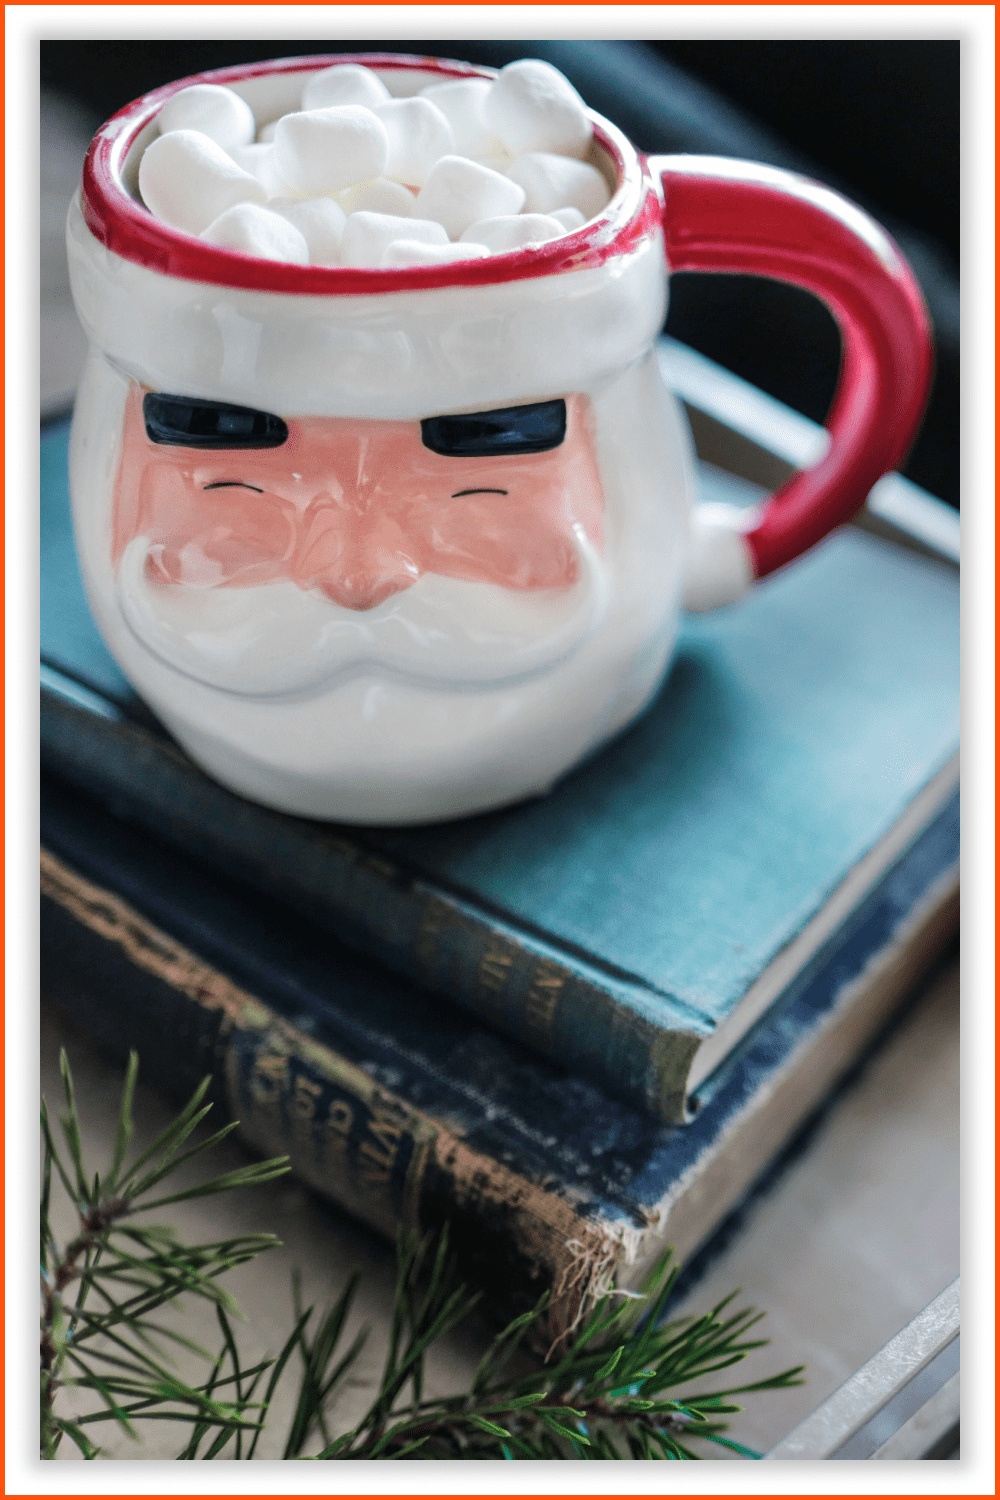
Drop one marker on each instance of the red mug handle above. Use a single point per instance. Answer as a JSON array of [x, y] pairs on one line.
[[737, 216]]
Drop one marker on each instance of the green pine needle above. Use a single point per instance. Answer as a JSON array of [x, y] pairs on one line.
[[609, 1391]]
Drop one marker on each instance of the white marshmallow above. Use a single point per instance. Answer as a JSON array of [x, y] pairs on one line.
[[501, 162], [217, 112], [510, 231], [458, 192], [187, 180], [344, 83], [462, 102], [321, 223], [379, 196], [532, 107], [416, 253], [570, 218], [551, 181], [265, 134], [259, 160], [258, 231], [418, 134], [367, 236], [322, 150]]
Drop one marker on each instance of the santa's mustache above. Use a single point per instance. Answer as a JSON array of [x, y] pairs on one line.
[[275, 638]]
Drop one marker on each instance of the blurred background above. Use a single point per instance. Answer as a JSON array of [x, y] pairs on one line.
[[878, 120]]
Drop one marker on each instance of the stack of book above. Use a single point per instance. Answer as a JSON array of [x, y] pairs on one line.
[[577, 1029]]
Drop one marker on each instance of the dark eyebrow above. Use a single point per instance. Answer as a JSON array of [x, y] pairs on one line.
[[190, 422], [508, 430]]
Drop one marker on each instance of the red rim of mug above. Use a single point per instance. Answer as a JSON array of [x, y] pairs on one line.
[[129, 230]]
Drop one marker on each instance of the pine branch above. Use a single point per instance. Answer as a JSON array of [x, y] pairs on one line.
[[112, 1347], [618, 1387]]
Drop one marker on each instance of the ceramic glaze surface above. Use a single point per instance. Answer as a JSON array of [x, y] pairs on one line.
[[470, 700], [397, 545], [338, 518]]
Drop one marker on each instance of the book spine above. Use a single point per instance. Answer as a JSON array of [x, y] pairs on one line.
[[606, 1026], [129, 984]]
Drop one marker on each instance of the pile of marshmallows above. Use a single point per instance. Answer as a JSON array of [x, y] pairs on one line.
[[467, 168]]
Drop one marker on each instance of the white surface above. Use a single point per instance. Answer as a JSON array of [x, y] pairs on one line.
[[532, 107], [570, 218], [187, 180], [217, 112], [418, 135], [415, 253], [322, 150], [344, 83], [378, 196], [720, 565], [367, 236], [258, 159], [320, 221], [398, 355], [552, 182], [459, 192], [928, 1427], [463, 103], [255, 230], [508, 231], [279, 638]]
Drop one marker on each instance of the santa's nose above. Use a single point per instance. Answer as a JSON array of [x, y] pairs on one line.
[[363, 586], [354, 551]]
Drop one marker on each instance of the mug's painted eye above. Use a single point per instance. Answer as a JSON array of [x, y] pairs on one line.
[[512, 429], [188, 422]]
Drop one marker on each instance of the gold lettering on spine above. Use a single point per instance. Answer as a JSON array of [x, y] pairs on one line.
[[302, 1109], [493, 974], [542, 1003], [269, 1081], [336, 1134], [425, 948], [377, 1155], [339, 1119]]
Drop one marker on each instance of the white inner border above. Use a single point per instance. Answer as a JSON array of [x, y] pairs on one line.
[[974, 25]]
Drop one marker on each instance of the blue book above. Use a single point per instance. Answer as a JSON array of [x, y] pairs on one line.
[[405, 1110], [663, 905]]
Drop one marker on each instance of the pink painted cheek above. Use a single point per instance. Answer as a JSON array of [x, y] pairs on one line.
[[499, 539], [218, 539], [521, 538]]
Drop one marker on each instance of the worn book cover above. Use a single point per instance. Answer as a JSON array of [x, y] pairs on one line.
[[403, 1109]]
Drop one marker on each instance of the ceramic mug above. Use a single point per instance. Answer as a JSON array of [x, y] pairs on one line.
[[396, 545]]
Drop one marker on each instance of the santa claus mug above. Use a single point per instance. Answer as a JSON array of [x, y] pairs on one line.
[[394, 545]]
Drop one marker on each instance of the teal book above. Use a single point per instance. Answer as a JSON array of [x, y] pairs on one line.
[[647, 917]]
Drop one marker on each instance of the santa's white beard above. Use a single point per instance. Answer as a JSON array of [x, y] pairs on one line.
[[278, 639]]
